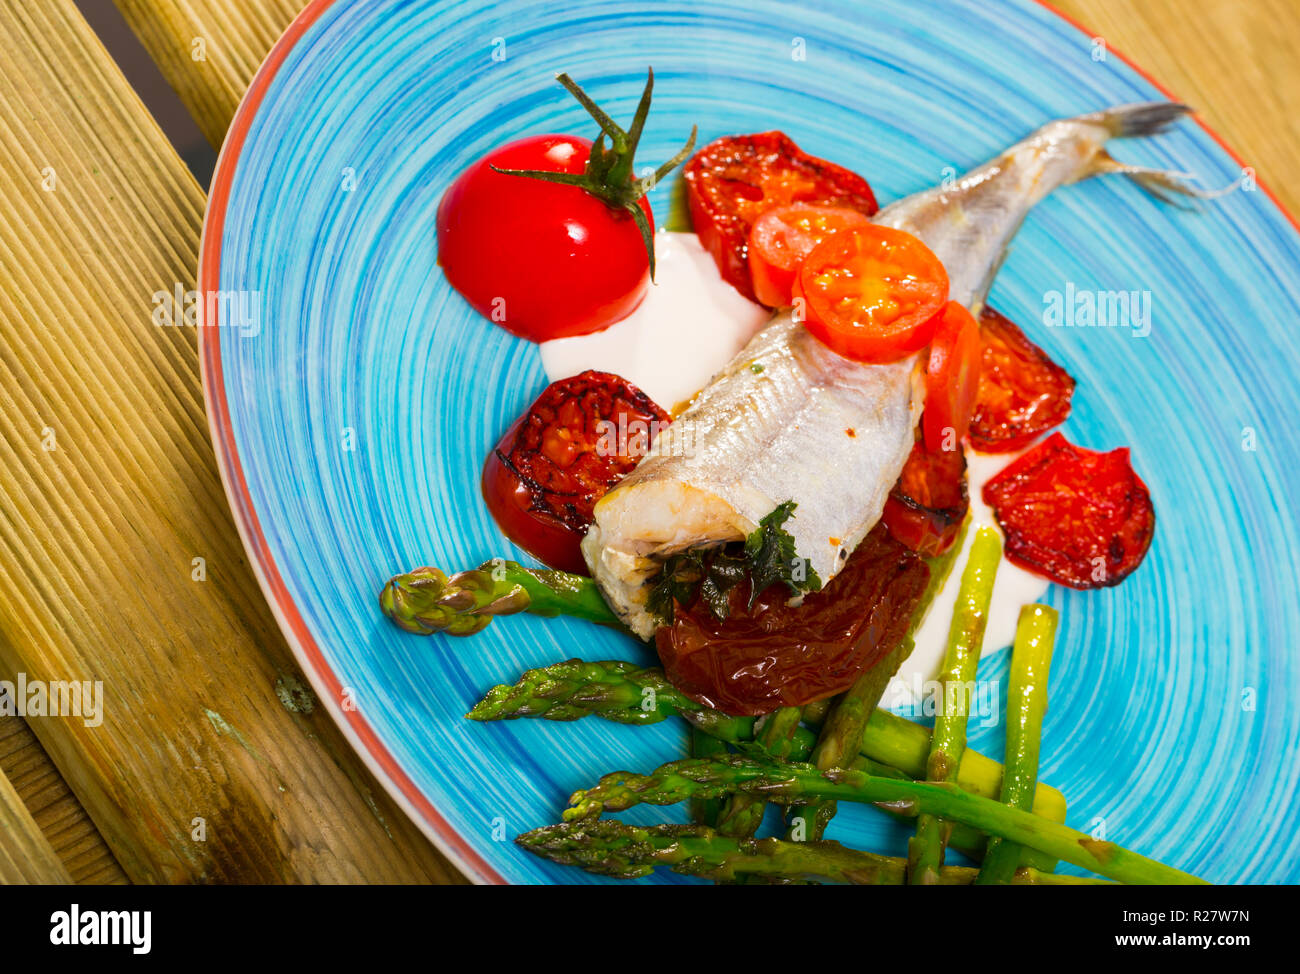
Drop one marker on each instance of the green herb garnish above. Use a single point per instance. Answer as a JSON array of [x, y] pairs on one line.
[[766, 557], [770, 554]]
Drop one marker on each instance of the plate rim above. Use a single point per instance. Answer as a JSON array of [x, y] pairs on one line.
[[358, 731]]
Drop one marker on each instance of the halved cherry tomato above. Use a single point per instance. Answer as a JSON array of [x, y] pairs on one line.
[[782, 237], [733, 180], [1081, 518], [1022, 392], [558, 459], [872, 293], [926, 507], [776, 655], [952, 375]]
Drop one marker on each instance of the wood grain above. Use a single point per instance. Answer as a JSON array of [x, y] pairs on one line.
[[1234, 62], [54, 807], [1237, 64], [109, 491], [208, 50], [25, 853]]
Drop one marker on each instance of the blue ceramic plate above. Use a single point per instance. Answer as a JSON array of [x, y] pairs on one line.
[[353, 399]]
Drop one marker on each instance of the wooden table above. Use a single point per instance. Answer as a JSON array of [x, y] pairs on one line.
[[211, 768]]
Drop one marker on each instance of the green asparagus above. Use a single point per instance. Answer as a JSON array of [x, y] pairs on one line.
[[743, 814], [611, 848], [1031, 658], [426, 601], [841, 736], [925, 850], [691, 778], [705, 811], [626, 693]]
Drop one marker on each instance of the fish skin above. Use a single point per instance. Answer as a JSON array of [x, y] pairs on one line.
[[753, 439], [969, 223], [812, 426]]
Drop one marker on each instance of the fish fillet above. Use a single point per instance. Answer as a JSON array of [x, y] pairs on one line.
[[788, 419]]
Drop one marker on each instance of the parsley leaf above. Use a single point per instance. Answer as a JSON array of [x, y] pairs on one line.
[[767, 557], [769, 551]]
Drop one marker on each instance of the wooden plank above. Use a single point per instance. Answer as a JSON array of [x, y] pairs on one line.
[[54, 807], [1235, 63], [109, 490], [25, 853], [209, 50]]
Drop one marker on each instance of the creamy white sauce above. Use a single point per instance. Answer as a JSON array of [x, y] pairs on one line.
[[689, 326], [1013, 588]]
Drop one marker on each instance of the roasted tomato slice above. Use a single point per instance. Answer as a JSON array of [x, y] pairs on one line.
[[733, 180], [872, 293], [1081, 518], [1022, 392], [952, 375], [776, 655], [926, 507], [783, 237], [580, 438]]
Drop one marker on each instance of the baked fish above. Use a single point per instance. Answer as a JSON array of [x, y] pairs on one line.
[[789, 419]]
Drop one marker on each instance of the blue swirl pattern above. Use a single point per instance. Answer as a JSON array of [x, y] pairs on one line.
[[362, 410]]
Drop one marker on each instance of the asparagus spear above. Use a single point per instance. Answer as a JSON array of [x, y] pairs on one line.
[[743, 814], [426, 601], [841, 736], [925, 849], [611, 848], [626, 693], [704, 811], [840, 739], [678, 780], [1031, 658]]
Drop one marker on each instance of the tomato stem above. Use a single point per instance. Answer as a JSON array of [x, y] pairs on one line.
[[609, 173]]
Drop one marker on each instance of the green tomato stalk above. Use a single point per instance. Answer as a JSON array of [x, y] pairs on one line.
[[608, 175]]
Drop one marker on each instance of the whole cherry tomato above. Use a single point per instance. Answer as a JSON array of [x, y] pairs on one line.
[[540, 259], [552, 236], [735, 179], [580, 438]]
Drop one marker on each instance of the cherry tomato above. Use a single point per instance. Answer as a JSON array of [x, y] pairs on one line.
[[1022, 392], [733, 180], [1081, 518], [540, 259], [776, 655], [782, 237], [926, 507], [952, 375], [872, 293], [560, 457]]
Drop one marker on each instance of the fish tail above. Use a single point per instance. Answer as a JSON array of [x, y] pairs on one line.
[[1140, 118], [1165, 185]]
